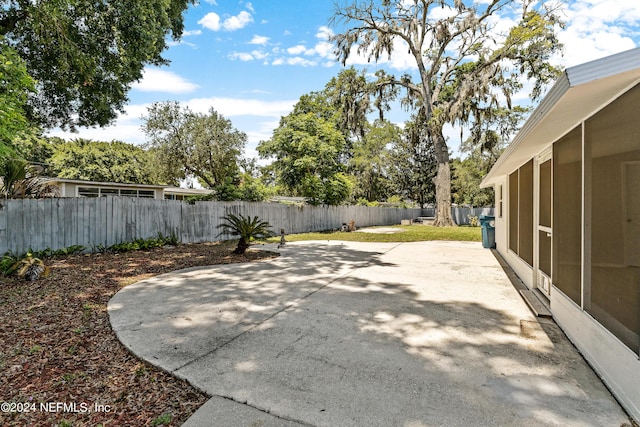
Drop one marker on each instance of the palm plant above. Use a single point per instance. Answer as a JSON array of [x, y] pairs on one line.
[[19, 179], [246, 228], [30, 268]]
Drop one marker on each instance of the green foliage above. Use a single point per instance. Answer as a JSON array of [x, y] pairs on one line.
[[10, 262], [85, 55], [140, 244], [370, 162], [466, 71], [364, 202], [465, 182], [113, 161], [308, 150], [412, 164], [50, 253], [254, 190], [34, 148], [162, 420], [246, 228], [348, 95], [21, 180], [187, 144], [249, 189], [16, 85]]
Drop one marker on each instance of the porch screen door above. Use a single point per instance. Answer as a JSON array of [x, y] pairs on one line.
[[543, 275]]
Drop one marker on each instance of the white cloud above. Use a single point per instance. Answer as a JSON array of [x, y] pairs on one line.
[[127, 126], [192, 33], [248, 56], [400, 59], [598, 28], [260, 40], [323, 49], [242, 56], [297, 50], [258, 54], [324, 33], [237, 22], [210, 21], [250, 7], [156, 80], [296, 60], [232, 107]]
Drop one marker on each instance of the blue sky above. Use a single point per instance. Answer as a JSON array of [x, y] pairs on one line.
[[251, 61]]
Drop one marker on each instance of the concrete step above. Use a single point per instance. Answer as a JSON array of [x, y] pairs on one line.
[[537, 307]]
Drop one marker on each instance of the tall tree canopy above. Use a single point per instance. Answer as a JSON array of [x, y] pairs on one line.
[[488, 140], [84, 55], [188, 144], [412, 165], [309, 149], [465, 67], [114, 161], [15, 86], [370, 163]]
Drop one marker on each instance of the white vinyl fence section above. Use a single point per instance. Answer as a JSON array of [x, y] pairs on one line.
[[62, 222]]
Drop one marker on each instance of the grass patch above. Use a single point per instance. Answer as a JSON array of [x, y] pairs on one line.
[[409, 233]]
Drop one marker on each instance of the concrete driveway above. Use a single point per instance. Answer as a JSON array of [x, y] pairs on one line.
[[362, 334]]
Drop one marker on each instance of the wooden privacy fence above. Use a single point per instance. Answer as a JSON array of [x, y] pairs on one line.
[[461, 214], [62, 222]]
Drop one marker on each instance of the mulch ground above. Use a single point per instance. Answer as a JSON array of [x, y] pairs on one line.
[[60, 362]]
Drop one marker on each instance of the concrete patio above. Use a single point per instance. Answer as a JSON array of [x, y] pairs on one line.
[[353, 334]]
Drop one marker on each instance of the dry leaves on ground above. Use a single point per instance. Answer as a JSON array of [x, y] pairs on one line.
[[60, 362]]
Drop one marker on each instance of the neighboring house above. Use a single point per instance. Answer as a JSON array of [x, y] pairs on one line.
[[81, 188], [568, 213]]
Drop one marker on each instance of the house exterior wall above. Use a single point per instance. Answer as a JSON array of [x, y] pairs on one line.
[[618, 367], [595, 291]]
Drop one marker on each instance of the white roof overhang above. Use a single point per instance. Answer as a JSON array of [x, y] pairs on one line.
[[578, 94]]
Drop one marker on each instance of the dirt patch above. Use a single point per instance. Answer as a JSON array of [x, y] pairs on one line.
[[60, 362]]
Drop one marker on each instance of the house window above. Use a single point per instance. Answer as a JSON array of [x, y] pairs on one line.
[[88, 192], [513, 211], [521, 212], [104, 192]]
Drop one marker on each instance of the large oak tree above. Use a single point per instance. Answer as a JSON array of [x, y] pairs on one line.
[[466, 67]]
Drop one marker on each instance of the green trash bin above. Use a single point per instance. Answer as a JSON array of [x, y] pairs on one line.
[[488, 224]]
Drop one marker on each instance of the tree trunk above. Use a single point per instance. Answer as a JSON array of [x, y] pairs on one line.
[[242, 247], [443, 182]]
